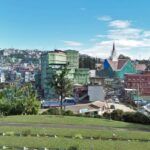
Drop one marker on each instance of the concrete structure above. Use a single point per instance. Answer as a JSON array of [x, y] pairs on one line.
[[72, 58], [2, 77], [141, 82], [50, 62], [81, 76], [97, 81], [54, 61], [92, 73], [96, 93]]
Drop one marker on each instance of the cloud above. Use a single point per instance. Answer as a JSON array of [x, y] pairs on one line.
[[119, 23], [129, 40], [124, 33], [146, 34], [72, 43], [100, 36], [104, 18]]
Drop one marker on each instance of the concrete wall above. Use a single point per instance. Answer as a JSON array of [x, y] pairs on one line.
[[96, 93]]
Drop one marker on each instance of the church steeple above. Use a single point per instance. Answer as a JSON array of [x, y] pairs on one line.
[[113, 56]]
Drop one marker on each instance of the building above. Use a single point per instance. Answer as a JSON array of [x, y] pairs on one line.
[[51, 61], [140, 82], [54, 61], [2, 77], [96, 93], [117, 68]]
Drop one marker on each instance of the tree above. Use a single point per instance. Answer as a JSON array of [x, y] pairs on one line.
[[19, 100], [121, 56], [62, 84]]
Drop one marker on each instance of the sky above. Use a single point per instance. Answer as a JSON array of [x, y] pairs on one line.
[[89, 26]]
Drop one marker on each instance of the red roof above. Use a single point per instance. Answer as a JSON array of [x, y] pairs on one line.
[[117, 65]]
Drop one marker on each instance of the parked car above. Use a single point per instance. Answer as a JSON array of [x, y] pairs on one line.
[[57, 103], [69, 101], [47, 104]]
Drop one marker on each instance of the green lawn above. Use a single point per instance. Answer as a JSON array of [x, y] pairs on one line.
[[84, 132], [84, 144], [65, 143], [71, 120]]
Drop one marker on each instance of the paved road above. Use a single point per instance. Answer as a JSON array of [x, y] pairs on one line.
[[93, 127]]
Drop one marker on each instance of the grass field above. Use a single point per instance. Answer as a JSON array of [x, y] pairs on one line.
[[63, 143], [71, 120]]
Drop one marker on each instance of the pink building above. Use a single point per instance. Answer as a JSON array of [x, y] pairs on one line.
[[141, 82]]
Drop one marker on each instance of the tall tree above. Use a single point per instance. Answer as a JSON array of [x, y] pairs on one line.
[[62, 84]]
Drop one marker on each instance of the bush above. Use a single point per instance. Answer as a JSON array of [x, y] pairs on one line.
[[68, 113], [136, 118], [117, 115], [9, 133], [73, 148], [78, 136], [106, 115], [112, 107], [56, 111], [53, 111], [26, 132]]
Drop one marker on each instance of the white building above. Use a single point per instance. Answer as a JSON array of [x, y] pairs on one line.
[[2, 77], [96, 93]]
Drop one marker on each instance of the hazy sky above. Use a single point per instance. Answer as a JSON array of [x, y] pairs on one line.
[[90, 26]]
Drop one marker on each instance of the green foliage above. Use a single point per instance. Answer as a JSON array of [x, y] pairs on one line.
[[26, 132], [68, 113], [9, 133], [117, 115], [78, 136], [73, 148], [112, 107], [18, 100], [52, 111], [134, 117], [121, 56], [62, 85], [57, 111], [86, 61]]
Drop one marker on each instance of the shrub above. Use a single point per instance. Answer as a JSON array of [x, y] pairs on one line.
[[26, 132], [52, 111], [136, 117], [117, 115], [68, 113], [56, 111], [78, 136], [73, 148], [112, 107], [106, 115], [9, 133], [128, 117]]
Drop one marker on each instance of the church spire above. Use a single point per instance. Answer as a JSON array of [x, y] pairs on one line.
[[113, 56]]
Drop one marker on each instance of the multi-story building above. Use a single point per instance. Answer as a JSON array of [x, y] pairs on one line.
[[54, 61], [50, 61], [140, 82]]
